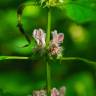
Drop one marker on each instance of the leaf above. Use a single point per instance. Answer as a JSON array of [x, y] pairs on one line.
[[81, 10]]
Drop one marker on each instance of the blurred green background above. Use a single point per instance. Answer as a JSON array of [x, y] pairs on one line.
[[76, 21]]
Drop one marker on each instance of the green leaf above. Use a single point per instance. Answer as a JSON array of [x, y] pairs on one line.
[[81, 10]]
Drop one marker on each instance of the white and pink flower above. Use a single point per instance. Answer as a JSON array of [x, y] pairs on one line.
[[54, 92], [39, 93], [54, 46], [39, 36]]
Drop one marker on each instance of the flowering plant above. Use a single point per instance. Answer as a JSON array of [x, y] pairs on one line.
[[46, 46]]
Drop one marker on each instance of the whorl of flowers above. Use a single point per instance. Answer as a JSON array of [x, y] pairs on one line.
[[54, 92], [54, 47], [51, 2]]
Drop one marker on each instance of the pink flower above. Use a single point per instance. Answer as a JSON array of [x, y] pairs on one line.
[[57, 37], [55, 48], [54, 92], [39, 36], [61, 92], [36, 93], [39, 93]]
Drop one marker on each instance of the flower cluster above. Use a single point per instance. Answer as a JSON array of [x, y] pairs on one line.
[[54, 47], [39, 36], [54, 92], [51, 2]]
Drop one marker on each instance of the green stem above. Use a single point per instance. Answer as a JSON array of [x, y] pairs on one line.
[[12, 57], [81, 59], [48, 28], [48, 78], [48, 70]]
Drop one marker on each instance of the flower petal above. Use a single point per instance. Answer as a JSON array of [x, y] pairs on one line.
[[36, 93], [39, 36], [62, 91], [36, 36], [43, 93], [54, 92], [54, 33], [55, 48], [60, 37], [57, 38]]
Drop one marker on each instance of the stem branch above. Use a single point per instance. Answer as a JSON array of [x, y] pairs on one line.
[[81, 59], [12, 57]]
